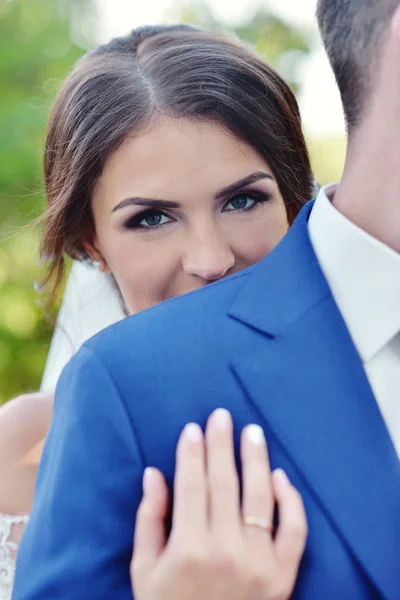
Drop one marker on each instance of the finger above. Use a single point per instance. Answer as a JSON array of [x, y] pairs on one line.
[[258, 499], [291, 534], [149, 541], [190, 487], [223, 483]]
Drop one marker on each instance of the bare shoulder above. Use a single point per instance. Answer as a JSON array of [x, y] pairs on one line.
[[24, 422]]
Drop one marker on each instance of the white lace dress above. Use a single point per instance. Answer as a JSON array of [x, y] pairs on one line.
[[11, 528]]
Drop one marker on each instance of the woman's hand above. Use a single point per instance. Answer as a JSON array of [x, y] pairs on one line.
[[212, 553]]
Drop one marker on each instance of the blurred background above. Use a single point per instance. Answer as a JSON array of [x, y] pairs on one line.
[[39, 42]]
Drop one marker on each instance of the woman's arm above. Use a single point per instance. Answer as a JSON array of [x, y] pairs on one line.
[[24, 423]]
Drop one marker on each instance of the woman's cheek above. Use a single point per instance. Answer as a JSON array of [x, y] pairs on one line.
[[144, 278], [259, 239]]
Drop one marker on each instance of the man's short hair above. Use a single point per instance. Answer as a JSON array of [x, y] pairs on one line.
[[353, 33]]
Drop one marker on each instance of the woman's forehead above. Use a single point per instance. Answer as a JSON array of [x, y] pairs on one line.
[[175, 154]]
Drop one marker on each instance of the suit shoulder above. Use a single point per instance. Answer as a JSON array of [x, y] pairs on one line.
[[178, 318]]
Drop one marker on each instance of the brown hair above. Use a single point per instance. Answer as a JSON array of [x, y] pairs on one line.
[[353, 32], [177, 71]]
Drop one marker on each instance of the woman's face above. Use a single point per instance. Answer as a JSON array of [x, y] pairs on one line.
[[181, 205]]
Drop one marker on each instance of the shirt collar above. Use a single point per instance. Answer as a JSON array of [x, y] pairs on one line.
[[362, 272]]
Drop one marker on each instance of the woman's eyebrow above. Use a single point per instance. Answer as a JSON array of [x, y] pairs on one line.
[[238, 185], [168, 204], [147, 202]]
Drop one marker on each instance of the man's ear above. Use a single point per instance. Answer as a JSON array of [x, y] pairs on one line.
[[396, 25], [96, 256]]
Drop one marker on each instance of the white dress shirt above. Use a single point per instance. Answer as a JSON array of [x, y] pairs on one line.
[[364, 277]]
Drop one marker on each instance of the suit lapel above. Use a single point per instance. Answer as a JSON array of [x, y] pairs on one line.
[[307, 382]]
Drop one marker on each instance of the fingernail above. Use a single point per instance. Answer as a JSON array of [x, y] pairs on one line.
[[255, 434], [193, 432], [148, 479], [281, 477], [222, 418]]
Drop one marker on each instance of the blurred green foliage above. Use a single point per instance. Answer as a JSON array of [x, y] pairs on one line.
[[276, 41], [36, 52]]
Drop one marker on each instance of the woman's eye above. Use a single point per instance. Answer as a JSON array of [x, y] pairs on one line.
[[241, 202], [154, 219], [151, 219]]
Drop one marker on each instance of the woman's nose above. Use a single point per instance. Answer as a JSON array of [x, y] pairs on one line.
[[208, 256]]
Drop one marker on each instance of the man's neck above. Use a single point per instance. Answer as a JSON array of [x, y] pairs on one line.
[[369, 193]]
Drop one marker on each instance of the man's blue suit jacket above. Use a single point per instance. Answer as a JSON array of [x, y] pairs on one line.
[[270, 345]]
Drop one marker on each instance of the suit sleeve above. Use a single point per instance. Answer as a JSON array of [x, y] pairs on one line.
[[78, 543]]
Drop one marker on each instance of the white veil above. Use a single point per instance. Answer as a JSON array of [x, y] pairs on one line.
[[91, 302]]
